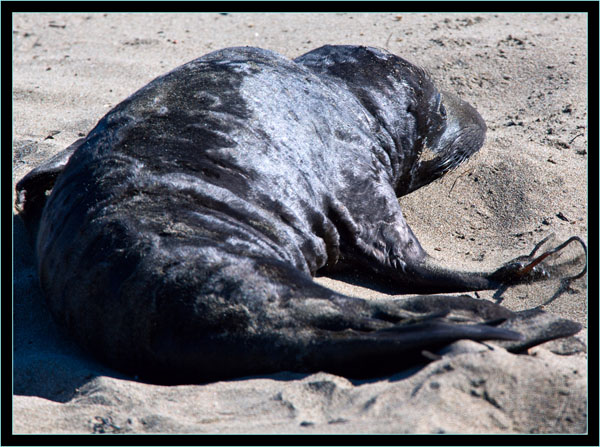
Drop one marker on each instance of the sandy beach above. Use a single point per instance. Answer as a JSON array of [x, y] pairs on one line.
[[527, 76]]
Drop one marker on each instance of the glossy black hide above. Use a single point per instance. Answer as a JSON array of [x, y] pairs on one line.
[[180, 237]]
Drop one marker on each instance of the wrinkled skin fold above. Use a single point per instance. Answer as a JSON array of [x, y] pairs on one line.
[[180, 236]]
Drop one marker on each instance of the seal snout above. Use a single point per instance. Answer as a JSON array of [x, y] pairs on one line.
[[464, 132], [460, 133]]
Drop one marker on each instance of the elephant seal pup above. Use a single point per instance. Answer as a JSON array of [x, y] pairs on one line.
[[180, 236]]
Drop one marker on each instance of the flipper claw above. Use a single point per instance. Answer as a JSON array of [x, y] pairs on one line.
[[524, 267], [529, 267]]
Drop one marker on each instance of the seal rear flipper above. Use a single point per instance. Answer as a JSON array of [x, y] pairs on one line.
[[362, 355], [380, 337], [32, 189], [537, 327], [428, 324]]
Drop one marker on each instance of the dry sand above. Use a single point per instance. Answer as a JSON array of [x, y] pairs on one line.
[[525, 73]]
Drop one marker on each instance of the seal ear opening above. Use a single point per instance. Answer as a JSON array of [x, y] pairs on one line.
[[460, 135]]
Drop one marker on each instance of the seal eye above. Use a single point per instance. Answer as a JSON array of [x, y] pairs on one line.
[[442, 110], [440, 105]]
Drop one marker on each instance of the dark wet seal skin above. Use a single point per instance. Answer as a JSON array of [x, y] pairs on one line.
[[180, 236]]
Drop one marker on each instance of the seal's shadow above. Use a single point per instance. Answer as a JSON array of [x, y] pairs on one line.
[[46, 363]]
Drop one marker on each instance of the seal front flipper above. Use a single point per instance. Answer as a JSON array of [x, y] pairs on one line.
[[385, 251], [32, 189]]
